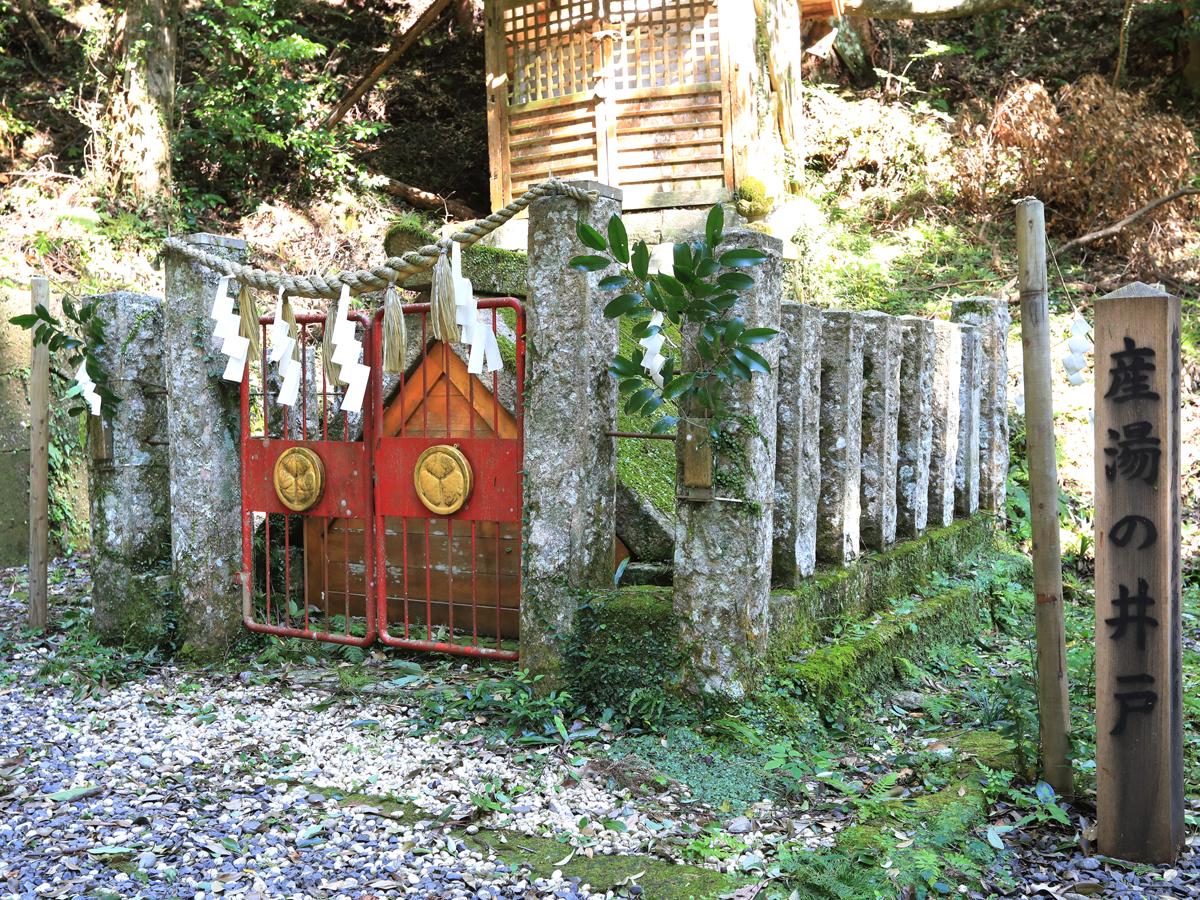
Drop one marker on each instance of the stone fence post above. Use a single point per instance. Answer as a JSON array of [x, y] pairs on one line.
[[915, 427], [947, 378], [204, 456], [128, 480], [839, 509], [570, 406], [992, 318], [880, 421], [723, 549], [966, 466], [798, 445]]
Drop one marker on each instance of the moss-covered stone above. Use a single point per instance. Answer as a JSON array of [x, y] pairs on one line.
[[658, 878], [625, 653], [833, 672], [490, 269], [832, 595]]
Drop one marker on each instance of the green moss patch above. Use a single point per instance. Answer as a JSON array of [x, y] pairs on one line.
[[490, 269], [802, 615], [871, 652], [657, 878], [625, 653]]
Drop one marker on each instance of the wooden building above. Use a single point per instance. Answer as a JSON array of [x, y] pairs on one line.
[[673, 101]]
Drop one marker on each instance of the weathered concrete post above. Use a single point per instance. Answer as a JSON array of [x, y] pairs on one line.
[[798, 445], [839, 509], [943, 457], [992, 318], [570, 406], [966, 461], [914, 430], [723, 549], [205, 466], [128, 480], [880, 413]]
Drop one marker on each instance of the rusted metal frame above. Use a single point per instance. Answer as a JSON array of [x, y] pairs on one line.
[[248, 617], [381, 606]]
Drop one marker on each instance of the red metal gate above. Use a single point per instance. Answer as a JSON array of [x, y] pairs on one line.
[[380, 556]]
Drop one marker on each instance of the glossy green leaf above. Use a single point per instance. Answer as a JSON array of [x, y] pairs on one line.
[[757, 335], [625, 367], [640, 260], [613, 282], [589, 263], [24, 321], [678, 386], [735, 281], [616, 308], [743, 258], [714, 226], [755, 362], [618, 239], [590, 236], [682, 258], [638, 399]]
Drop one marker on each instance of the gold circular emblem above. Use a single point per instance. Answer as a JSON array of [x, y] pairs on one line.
[[442, 478], [299, 478]]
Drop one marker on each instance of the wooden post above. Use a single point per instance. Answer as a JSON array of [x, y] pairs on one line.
[[1139, 703], [1054, 711], [39, 464]]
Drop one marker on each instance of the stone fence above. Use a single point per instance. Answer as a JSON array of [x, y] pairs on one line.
[[873, 430]]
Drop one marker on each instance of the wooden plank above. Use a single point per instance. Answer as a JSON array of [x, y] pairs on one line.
[[724, 11], [641, 198], [39, 465], [1139, 702], [496, 63]]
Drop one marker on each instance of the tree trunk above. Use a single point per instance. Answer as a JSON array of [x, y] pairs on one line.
[[135, 146], [924, 9]]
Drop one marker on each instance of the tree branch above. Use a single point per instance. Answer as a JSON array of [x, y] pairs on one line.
[[1115, 227], [426, 199], [399, 48]]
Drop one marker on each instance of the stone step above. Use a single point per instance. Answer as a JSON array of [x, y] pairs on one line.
[[944, 611]]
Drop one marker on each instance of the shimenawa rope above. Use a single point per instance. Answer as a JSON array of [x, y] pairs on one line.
[[392, 270]]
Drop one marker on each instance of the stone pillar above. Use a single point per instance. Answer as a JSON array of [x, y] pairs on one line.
[[943, 456], [966, 463], [570, 406], [838, 509], [798, 445], [880, 412], [723, 549], [993, 320], [128, 480], [914, 429], [205, 462]]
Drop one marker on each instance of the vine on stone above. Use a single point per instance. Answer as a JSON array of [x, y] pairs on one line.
[[78, 338], [697, 288]]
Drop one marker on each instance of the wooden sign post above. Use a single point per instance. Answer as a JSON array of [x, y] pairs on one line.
[[1139, 702]]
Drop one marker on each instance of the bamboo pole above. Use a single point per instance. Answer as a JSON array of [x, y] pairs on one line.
[[1054, 711], [39, 464]]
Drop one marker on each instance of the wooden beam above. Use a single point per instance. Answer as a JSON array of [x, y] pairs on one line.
[[400, 46], [39, 465], [1053, 704]]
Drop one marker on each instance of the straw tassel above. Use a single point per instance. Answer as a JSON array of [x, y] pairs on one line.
[[248, 312], [289, 316], [395, 332], [442, 314], [332, 369]]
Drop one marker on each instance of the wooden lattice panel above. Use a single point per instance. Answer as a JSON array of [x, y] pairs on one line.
[[559, 140], [551, 51], [629, 92], [664, 43]]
